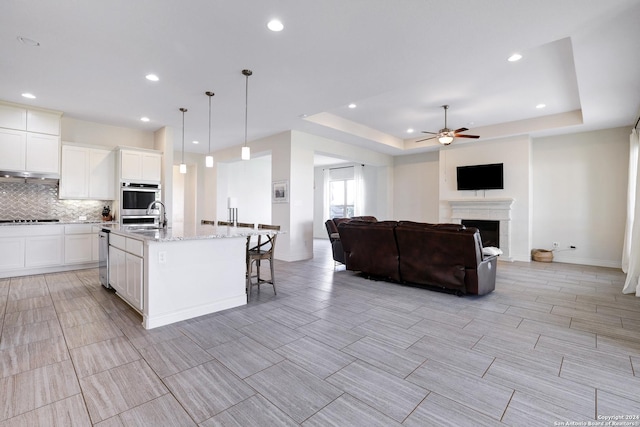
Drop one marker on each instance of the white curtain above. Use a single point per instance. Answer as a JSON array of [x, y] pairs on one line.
[[326, 206], [359, 198], [631, 250]]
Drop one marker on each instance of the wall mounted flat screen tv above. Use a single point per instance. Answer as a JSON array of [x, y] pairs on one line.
[[480, 177]]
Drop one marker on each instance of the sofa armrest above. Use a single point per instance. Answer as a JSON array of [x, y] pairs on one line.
[[486, 275]]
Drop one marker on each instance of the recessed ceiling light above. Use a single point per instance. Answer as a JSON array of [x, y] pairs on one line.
[[541, 106], [152, 77], [196, 142], [144, 119], [303, 116], [410, 130], [515, 57], [275, 25], [352, 105], [29, 95], [28, 41]]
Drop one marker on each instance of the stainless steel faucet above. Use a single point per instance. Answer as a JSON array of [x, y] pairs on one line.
[[163, 212]]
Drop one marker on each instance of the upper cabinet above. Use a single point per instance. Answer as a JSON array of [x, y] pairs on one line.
[[43, 122], [13, 117], [29, 140], [140, 166], [87, 173]]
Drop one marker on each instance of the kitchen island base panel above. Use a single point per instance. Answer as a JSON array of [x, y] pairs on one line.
[[149, 322], [190, 278]]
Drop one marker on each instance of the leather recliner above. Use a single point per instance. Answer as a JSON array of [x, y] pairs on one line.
[[447, 256]]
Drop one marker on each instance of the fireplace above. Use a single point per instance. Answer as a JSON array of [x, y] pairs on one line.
[[489, 230], [493, 210]]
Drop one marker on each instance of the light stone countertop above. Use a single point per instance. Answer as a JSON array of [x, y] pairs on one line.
[[172, 234], [11, 224]]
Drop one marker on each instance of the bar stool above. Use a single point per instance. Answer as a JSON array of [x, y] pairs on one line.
[[264, 250]]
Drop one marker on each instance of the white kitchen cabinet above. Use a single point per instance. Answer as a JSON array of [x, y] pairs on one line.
[[126, 268], [133, 288], [117, 269], [78, 248], [140, 166], [95, 246], [29, 139], [74, 173], [78, 243], [43, 122], [41, 251], [13, 117], [102, 171], [43, 153], [31, 152], [11, 253], [87, 173], [45, 248], [13, 149]]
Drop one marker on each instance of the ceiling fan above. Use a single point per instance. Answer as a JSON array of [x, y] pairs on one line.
[[445, 135]]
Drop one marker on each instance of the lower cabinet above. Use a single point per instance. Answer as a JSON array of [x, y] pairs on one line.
[[126, 269], [79, 243], [11, 253], [38, 248], [134, 269], [42, 251]]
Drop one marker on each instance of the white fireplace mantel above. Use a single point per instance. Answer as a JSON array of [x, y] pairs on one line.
[[498, 209]]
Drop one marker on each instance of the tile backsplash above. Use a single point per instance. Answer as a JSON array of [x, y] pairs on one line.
[[30, 200]]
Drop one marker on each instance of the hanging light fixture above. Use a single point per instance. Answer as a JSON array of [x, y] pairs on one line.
[[183, 165], [208, 161], [246, 151]]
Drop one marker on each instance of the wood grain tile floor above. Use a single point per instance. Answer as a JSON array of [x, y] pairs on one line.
[[553, 343]]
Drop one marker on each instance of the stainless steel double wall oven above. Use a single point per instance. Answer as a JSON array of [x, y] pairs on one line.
[[135, 198]]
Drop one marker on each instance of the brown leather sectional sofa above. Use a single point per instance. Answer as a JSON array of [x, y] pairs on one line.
[[445, 256], [332, 230]]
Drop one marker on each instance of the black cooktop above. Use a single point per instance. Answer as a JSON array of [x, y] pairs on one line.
[[5, 221]]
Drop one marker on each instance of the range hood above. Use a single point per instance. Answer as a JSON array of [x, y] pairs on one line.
[[31, 177]]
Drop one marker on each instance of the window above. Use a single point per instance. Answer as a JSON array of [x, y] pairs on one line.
[[342, 198]]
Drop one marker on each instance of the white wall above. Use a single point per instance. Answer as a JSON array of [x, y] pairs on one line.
[[84, 132], [579, 195], [569, 189], [515, 154], [416, 187], [249, 181], [371, 176]]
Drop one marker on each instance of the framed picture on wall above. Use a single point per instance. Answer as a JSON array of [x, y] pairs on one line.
[[280, 192]]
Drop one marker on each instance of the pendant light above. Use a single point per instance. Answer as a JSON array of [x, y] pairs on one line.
[[183, 165], [208, 161], [246, 151]]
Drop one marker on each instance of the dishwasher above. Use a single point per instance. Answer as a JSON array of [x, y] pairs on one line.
[[103, 258]]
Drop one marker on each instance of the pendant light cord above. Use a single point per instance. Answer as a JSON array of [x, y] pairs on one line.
[[184, 110], [209, 122], [246, 107]]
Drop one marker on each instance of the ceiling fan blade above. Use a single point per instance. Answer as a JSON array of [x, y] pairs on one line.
[[460, 130], [432, 133], [467, 136], [426, 139]]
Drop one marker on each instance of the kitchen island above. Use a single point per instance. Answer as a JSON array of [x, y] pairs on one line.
[[174, 274]]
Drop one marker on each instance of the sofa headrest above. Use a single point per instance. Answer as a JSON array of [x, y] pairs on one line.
[[423, 225], [361, 223]]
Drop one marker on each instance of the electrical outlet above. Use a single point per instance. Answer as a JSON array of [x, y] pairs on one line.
[[162, 257], [82, 218], [556, 245]]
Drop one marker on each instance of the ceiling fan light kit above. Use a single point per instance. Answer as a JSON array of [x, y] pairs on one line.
[[445, 135]]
